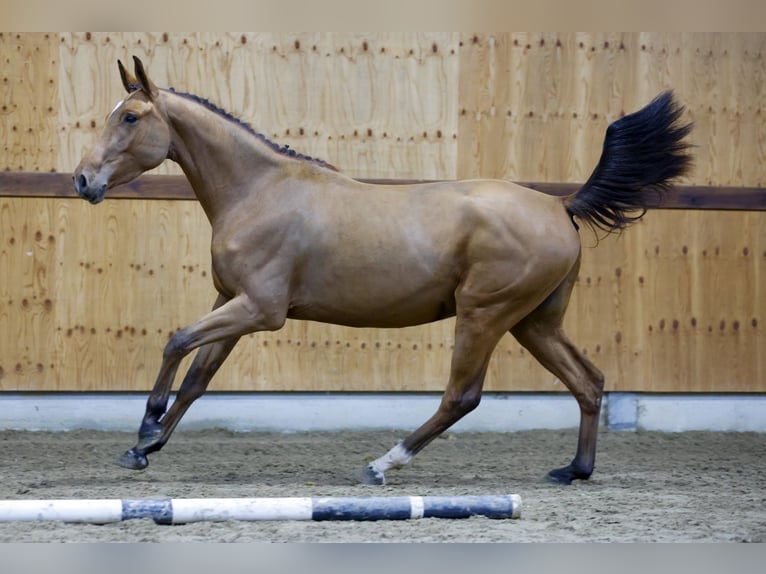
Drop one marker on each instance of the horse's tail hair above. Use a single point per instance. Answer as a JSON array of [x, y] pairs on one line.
[[644, 153]]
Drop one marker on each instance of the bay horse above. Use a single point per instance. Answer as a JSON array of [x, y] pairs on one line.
[[293, 238]]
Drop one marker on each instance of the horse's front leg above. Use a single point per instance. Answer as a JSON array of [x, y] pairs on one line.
[[157, 402], [219, 331], [153, 434]]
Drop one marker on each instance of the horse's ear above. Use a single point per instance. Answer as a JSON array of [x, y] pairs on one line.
[[143, 80], [128, 80]]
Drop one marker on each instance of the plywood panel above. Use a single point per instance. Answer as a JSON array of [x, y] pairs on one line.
[[28, 101], [707, 327], [725, 90], [83, 309], [535, 106]]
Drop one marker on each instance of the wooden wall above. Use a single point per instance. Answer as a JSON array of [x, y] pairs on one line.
[[89, 295]]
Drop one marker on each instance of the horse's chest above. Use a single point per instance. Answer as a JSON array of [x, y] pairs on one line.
[[246, 262]]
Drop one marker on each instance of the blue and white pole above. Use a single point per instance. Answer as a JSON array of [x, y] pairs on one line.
[[182, 510]]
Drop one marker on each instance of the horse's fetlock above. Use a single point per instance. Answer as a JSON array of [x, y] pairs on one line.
[[155, 408], [151, 427]]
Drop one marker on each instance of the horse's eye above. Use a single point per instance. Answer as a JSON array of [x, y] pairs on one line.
[[130, 119]]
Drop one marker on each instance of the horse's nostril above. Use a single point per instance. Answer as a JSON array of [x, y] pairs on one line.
[[83, 182]]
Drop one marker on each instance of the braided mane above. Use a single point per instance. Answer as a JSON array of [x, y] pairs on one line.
[[282, 149]]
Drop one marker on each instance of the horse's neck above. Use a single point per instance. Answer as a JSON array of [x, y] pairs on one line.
[[221, 160]]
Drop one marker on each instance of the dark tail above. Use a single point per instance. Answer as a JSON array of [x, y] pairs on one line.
[[643, 154]]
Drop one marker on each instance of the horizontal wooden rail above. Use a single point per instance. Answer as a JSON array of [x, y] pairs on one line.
[[32, 184]]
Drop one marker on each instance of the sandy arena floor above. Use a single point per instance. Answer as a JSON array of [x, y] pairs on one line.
[[646, 487]]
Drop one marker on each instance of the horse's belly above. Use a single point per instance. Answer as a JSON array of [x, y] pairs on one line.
[[384, 320], [363, 305]]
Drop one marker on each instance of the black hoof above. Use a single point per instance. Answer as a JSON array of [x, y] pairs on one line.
[[566, 475], [369, 475], [132, 459]]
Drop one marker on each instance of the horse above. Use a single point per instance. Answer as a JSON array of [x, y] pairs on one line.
[[294, 238]]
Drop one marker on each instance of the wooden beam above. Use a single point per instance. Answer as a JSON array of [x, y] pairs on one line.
[[32, 184]]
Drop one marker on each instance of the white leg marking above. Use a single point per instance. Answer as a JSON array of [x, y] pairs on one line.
[[394, 458]]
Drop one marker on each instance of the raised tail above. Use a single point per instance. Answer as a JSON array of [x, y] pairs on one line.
[[643, 154]]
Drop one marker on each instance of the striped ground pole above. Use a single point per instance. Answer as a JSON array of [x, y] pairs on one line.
[[183, 510]]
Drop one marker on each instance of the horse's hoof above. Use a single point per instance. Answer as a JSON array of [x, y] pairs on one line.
[[371, 476], [133, 460], [566, 475], [555, 477]]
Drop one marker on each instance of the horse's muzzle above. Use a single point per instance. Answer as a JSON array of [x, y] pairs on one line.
[[82, 186]]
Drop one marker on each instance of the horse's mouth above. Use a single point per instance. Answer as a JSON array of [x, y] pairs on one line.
[[94, 198], [90, 194]]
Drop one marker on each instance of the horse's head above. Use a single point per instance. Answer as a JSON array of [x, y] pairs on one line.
[[136, 138]]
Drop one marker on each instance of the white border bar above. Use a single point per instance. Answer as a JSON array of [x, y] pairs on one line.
[[299, 412]]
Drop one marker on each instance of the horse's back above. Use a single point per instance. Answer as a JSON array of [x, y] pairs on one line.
[[461, 221], [514, 221]]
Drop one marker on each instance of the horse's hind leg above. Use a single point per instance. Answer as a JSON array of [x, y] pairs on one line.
[[540, 332], [474, 342]]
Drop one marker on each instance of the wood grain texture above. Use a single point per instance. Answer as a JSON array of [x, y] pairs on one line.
[[89, 296], [534, 107], [28, 101]]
